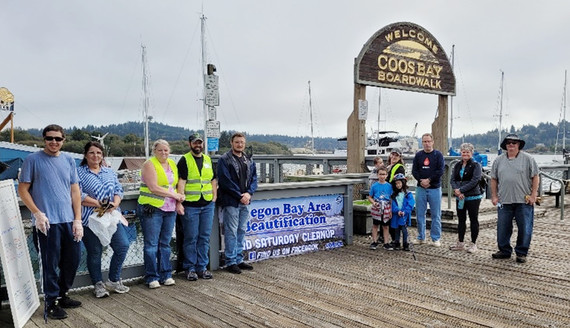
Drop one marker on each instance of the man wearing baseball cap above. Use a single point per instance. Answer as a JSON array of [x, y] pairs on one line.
[[197, 181], [514, 189]]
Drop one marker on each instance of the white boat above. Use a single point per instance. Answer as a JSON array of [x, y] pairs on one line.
[[383, 142]]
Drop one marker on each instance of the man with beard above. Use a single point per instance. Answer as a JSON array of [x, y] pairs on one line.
[[198, 183], [238, 181]]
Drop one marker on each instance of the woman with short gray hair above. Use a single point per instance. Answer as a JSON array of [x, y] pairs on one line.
[[465, 184]]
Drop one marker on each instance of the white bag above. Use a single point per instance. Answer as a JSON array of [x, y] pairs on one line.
[[105, 226]]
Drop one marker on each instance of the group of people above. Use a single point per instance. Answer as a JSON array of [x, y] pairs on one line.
[[514, 190], [64, 198]]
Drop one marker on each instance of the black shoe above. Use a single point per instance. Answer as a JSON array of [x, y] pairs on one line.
[[68, 303], [374, 245], [406, 247], [501, 255], [521, 258], [192, 276], [55, 311], [396, 246], [388, 247], [234, 268], [204, 274], [245, 266]]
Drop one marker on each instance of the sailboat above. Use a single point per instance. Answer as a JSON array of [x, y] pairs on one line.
[[562, 122]]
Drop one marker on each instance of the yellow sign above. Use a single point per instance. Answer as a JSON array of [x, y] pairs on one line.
[[405, 56], [6, 99]]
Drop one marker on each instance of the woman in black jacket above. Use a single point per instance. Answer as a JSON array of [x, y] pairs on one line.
[[465, 184]]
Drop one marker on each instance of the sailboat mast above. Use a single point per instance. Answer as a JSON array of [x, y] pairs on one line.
[[378, 121], [204, 105], [451, 102], [501, 111], [564, 114], [145, 102], [311, 118]]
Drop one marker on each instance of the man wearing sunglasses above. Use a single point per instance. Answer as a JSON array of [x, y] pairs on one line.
[[514, 190], [49, 186]]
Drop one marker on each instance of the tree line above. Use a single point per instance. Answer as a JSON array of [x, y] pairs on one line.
[[127, 139]]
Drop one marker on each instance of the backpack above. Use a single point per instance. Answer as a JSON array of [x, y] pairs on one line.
[[483, 183]]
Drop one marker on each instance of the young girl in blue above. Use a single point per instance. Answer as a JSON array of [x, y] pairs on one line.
[[381, 208], [402, 205]]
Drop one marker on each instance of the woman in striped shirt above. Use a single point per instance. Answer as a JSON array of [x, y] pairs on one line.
[[100, 185]]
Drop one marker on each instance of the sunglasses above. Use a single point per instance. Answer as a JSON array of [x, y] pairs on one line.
[[49, 138], [512, 142]]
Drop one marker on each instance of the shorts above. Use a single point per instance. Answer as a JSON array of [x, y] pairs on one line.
[[380, 222]]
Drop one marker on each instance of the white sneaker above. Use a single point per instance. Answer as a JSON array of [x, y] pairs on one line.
[[418, 241], [100, 290], [117, 287], [472, 248], [169, 282], [459, 246], [153, 284], [436, 243]]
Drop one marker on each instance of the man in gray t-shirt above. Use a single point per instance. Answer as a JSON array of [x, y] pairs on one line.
[[514, 189]]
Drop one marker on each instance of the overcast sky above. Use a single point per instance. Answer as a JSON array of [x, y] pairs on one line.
[[79, 62]]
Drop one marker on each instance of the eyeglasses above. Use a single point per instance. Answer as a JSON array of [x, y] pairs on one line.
[[512, 142], [49, 138]]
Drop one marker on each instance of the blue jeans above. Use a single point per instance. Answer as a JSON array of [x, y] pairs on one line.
[[235, 223], [404, 234], [433, 197], [523, 214], [197, 225], [60, 255], [120, 246], [157, 230]]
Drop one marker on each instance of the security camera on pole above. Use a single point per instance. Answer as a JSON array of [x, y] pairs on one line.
[[211, 99]]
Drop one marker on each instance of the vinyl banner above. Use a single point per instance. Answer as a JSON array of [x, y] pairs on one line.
[[289, 226]]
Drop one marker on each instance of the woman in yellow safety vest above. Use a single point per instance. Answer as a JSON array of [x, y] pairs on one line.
[[157, 212]]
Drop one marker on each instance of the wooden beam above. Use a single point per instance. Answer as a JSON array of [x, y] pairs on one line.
[[356, 134]]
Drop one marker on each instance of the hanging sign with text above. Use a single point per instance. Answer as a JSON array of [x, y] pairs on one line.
[[289, 226]]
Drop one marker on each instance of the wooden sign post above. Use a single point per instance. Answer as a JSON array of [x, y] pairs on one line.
[[402, 56]]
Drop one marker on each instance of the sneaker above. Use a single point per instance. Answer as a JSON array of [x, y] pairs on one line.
[[521, 258], [418, 241], [169, 282], [388, 247], [154, 284], [395, 246], [192, 276], [68, 303], [117, 286], [55, 312], [100, 290], [245, 266], [234, 268], [472, 248], [459, 246], [501, 255], [204, 274], [436, 243], [374, 245], [406, 247]]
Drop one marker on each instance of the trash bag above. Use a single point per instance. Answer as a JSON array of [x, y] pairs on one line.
[[105, 226]]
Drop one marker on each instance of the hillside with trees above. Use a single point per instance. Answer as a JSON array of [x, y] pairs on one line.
[[126, 139]]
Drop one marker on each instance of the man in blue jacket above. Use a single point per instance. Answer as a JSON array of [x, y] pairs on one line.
[[237, 181], [427, 170]]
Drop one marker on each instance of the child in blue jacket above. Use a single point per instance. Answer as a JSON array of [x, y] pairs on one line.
[[402, 205]]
